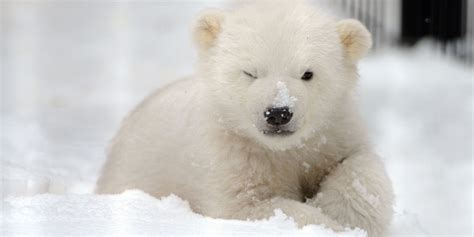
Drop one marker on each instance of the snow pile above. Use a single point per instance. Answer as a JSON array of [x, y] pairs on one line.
[[283, 98], [136, 213]]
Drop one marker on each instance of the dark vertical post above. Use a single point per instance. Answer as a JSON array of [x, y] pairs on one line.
[[444, 20]]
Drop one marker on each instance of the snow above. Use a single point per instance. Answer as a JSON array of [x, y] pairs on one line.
[[306, 167], [283, 98], [136, 213], [419, 108], [372, 199], [67, 81]]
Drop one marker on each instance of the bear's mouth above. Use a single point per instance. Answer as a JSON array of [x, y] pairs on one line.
[[277, 132]]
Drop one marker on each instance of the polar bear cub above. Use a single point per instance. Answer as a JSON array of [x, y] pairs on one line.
[[267, 122]]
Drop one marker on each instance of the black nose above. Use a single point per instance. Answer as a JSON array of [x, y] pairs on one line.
[[278, 116]]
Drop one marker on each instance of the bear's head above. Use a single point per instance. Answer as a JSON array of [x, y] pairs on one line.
[[278, 72]]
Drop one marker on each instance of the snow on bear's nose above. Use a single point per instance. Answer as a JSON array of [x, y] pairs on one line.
[[282, 97]]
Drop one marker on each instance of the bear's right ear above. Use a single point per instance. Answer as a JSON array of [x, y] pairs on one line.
[[207, 28]]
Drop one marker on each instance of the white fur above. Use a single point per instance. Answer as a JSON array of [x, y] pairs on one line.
[[201, 137]]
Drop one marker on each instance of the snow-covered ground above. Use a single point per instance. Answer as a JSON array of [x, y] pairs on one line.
[[136, 213], [71, 71]]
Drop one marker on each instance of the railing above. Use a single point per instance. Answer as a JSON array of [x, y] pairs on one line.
[[388, 21]]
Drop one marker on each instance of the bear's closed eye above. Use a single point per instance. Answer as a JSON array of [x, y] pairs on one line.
[[249, 74]]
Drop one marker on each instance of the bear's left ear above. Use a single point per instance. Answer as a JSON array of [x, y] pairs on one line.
[[355, 38], [207, 28]]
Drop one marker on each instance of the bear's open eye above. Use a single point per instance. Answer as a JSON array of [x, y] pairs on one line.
[[307, 76], [250, 75]]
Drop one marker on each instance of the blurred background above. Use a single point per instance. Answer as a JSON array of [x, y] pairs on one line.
[[71, 70], [406, 22]]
